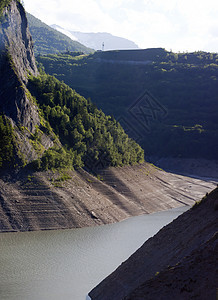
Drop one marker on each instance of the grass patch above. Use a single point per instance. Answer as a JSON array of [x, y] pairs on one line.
[[198, 203], [64, 176], [99, 177], [89, 180], [156, 167]]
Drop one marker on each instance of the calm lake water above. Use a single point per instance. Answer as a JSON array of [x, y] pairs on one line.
[[67, 264]]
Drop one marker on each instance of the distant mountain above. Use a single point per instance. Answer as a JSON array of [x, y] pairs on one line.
[[95, 40], [48, 40]]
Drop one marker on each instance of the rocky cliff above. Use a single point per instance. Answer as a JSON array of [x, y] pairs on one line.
[[17, 61], [179, 262]]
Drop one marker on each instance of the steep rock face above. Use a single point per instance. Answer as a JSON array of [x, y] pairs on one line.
[[16, 62], [18, 41]]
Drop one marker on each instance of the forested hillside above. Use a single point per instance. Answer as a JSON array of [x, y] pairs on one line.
[[90, 138], [43, 122], [48, 40], [166, 101]]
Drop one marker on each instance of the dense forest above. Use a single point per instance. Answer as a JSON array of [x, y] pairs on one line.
[[166, 101], [48, 40], [90, 138]]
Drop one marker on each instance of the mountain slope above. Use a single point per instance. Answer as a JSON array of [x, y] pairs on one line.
[[179, 262], [48, 40], [34, 106], [194, 275], [17, 61], [96, 40], [87, 133], [89, 136], [70, 199], [166, 101], [27, 201]]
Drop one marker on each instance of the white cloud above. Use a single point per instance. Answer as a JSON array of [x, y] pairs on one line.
[[76, 15], [180, 25], [105, 4]]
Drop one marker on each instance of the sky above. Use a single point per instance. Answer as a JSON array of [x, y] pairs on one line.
[[177, 25]]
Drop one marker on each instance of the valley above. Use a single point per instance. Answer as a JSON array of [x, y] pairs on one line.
[[93, 138], [53, 140]]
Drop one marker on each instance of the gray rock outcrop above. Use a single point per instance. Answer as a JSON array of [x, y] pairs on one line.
[[17, 62]]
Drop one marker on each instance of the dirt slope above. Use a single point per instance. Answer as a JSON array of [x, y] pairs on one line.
[[179, 262], [40, 200]]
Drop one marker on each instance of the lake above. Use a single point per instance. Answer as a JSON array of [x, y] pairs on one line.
[[67, 264]]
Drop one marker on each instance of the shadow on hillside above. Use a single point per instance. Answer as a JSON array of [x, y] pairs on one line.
[[104, 188]]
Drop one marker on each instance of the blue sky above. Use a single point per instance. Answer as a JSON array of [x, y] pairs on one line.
[[187, 25]]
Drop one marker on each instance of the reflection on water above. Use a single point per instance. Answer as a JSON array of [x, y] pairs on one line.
[[67, 264]]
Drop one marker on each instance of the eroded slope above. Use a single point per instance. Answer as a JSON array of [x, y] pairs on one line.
[[179, 262], [48, 200]]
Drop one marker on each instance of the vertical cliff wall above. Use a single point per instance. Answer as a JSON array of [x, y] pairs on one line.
[[17, 61]]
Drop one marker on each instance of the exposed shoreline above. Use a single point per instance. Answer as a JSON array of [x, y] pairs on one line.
[[39, 201], [192, 167]]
